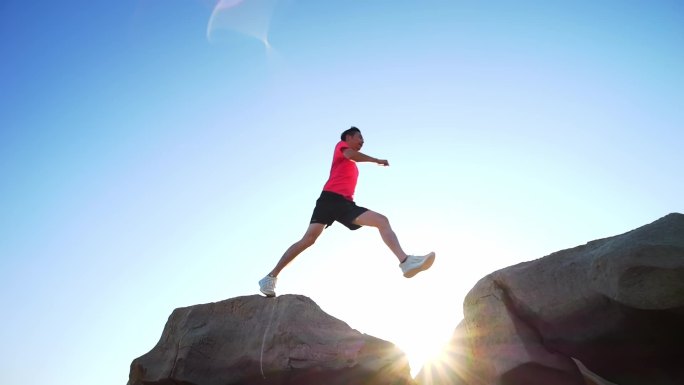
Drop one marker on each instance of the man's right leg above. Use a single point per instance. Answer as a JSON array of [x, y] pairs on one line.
[[267, 284], [312, 233]]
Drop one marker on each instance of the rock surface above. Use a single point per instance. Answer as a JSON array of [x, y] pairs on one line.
[[285, 340], [616, 305]]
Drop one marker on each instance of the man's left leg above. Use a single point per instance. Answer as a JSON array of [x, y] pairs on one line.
[[410, 264], [379, 221]]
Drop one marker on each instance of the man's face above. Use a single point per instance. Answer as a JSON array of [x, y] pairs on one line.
[[355, 141]]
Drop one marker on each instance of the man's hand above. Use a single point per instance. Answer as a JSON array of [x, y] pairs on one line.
[[382, 162]]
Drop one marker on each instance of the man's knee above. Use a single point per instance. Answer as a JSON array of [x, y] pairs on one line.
[[382, 221], [371, 218], [309, 239]]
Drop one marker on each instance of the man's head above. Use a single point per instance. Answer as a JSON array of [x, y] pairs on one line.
[[353, 137]]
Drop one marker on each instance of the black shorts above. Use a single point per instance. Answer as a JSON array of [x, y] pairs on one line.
[[331, 207]]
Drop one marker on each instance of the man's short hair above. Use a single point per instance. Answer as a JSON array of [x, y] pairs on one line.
[[350, 131]]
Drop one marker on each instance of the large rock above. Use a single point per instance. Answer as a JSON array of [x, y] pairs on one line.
[[285, 340], [615, 305]]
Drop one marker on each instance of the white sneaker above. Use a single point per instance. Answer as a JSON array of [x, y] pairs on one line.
[[414, 264], [267, 285]]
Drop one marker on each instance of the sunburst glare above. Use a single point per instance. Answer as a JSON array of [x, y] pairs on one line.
[[249, 17]]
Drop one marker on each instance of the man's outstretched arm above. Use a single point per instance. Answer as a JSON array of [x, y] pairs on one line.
[[357, 156]]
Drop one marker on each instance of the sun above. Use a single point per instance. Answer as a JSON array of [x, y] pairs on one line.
[[452, 361], [425, 348]]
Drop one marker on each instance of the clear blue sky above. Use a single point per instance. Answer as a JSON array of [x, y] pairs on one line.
[[149, 162]]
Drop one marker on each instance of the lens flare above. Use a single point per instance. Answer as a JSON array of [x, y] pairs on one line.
[[249, 17]]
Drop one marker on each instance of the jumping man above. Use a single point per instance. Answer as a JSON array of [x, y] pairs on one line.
[[336, 203]]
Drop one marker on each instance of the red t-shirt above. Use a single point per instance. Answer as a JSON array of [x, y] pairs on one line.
[[343, 173]]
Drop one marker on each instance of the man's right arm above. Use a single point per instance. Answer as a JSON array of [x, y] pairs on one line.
[[358, 156]]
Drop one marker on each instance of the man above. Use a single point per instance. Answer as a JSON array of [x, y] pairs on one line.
[[336, 203]]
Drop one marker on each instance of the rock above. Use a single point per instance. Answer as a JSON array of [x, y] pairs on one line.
[[614, 305], [255, 340]]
